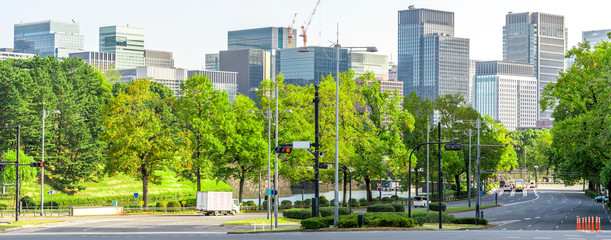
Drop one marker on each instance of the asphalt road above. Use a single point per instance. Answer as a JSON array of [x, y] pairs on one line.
[[544, 213]]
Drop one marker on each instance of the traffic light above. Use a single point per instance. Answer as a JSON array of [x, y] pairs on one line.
[[37, 164], [283, 149]]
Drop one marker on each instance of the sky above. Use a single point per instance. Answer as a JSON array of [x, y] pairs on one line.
[[192, 28]]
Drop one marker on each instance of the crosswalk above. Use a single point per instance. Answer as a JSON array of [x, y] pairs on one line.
[[512, 193]]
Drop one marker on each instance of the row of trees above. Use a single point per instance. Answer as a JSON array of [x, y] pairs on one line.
[[141, 127]]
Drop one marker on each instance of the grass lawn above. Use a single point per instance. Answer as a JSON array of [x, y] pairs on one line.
[[250, 222], [32, 222], [463, 209], [120, 188], [449, 226], [426, 226], [267, 229]]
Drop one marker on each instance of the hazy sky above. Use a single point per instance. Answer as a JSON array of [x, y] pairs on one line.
[[192, 28]]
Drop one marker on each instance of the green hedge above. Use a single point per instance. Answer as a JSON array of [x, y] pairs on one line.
[[354, 202], [392, 221], [307, 203], [469, 220], [387, 200], [381, 208], [363, 202], [433, 217], [297, 213], [435, 207], [398, 207], [299, 204], [312, 223], [286, 204], [323, 201], [348, 222], [591, 194]]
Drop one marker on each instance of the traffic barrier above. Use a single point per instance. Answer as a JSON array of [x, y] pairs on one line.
[[589, 223], [262, 224]]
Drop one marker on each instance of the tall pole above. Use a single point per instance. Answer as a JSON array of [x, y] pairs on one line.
[[42, 169], [428, 186], [336, 202], [409, 185], [17, 186], [439, 170], [469, 169], [259, 188], [316, 154], [276, 166], [477, 177], [269, 157]]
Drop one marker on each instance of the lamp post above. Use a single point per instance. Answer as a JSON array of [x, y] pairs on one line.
[[45, 113], [337, 59], [269, 152]]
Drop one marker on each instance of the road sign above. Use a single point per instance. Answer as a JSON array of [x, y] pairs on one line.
[[379, 189], [301, 144], [52, 192], [135, 195], [271, 192], [184, 202], [165, 203], [141, 203]]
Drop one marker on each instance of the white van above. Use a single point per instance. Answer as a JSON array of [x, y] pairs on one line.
[[420, 202]]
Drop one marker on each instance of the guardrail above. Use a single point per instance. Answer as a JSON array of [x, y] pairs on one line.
[[589, 223], [35, 212]]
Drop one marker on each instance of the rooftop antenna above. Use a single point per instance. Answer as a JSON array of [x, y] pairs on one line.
[[73, 21], [411, 7]]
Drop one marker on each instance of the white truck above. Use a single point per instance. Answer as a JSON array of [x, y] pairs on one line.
[[216, 203]]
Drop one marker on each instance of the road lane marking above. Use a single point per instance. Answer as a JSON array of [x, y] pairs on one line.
[[501, 192], [542, 238], [513, 192], [536, 194], [526, 219]]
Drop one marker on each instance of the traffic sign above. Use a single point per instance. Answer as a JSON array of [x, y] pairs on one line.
[[52, 192], [141, 203], [184, 202], [379, 189], [165, 203], [271, 192], [135, 195]]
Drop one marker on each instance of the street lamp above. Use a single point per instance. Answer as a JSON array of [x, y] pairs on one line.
[[337, 60], [478, 126], [45, 113]]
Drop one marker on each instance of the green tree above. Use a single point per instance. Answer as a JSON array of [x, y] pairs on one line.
[[245, 144], [27, 173], [204, 115], [421, 109], [139, 140]]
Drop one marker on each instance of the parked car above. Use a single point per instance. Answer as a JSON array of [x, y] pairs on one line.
[[420, 202], [601, 199]]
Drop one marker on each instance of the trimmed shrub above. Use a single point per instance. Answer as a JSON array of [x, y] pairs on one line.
[[380, 208], [434, 217], [312, 223], [348, 222], [307, 203], [51, 204], [159, 205], [392, 221], [173, 206], [591, 194], [469, 220], [394, 197], [323, 201], [190, 201], [435, 207], [27, 202], [398, 207], [420, 221], [363, 202], [299, 204], [3, 206], [328, 220], [354, 202], [249, 204], [386, 200], [297, 213], [286, 204], [325, 211]]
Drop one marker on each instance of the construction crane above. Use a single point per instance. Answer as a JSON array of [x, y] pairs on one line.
[[290, 28], [304, 30]]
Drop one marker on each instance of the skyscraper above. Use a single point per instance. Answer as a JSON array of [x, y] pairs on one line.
[[226, 81], [538, 39], [154, 58], [101, 61], [212, 61], [127, 43], [507, 91], [48, 38], [432, 62], [595, 36], [305, 68], [267, 38], [252, 66]]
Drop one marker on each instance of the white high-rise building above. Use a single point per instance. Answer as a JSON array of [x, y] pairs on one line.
[[127, 43], [507, 91]]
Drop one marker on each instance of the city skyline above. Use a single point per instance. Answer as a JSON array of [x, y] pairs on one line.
[[190, 29]]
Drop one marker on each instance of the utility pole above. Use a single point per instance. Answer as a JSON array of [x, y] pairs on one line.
[[478, 172], [316, 154], [439, 171]]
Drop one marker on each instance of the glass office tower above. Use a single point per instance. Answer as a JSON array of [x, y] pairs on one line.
[[432, 62], [212, 61], [538, 39], [595, 36], [267, 38], [48, 38], [127, 43], [305, 68], [252, 66]]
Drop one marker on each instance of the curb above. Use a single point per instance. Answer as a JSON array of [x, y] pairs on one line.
[[363, 230]]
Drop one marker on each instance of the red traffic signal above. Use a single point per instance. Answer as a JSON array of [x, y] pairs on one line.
[[37, 164], [283, 150]]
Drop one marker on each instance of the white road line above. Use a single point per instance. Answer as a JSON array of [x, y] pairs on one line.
[[501, 192], [524, 193], [536, 194], [513, 192], [542, 238], [532, 200]]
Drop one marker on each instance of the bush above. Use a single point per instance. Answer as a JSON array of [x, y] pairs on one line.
[[380, 208], [173, 206], [348, 222], [323, 201], [325, 211], [307, 203], [398, 207], [299, 204], [328, 220], [286, 204], [51, 204], [386, 200], [249, 204], [394, 197], [435, 207], [297, 213], [469, 220], [420, 221], [591, 194], [190, 201], [354, 202], [363, 202], [3, 206], [434, 217], [27, 202], [312, 223], [392, 221]]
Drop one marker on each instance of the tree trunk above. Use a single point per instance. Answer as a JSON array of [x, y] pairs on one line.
[[145, 187], [457, 179], [368, 187], [199, 178], [416, 181], [345, 189], [241, 190]]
